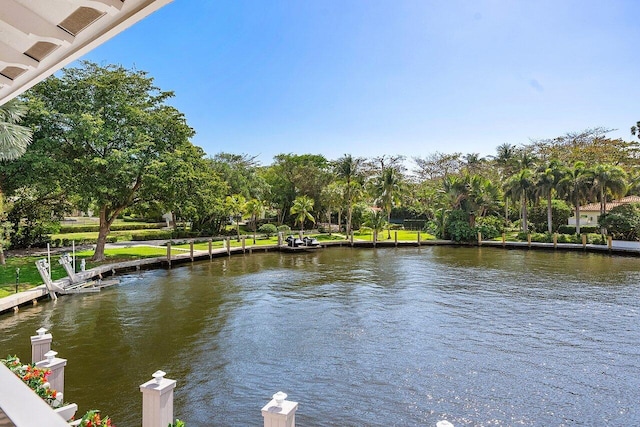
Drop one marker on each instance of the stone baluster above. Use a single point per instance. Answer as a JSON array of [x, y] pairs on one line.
[[56, 366], [157, 401], [40, 344], [280, 412]]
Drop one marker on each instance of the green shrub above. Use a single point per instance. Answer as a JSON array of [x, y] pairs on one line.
[[458, 228], [560, 213], [268, 229], [622, 222], [490, 226], [284, 228], [571, 229]]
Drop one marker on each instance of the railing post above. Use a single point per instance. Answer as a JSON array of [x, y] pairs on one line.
[[191, 250], [228, 245], [504, 239], [300, 234], [280, 412], [351, 237], [529, 239], [157, 401], [244, 238], [479, 238], [396, 237], [56, 365], [279, 238], [609, 242], [419, 238], [555, 240], [210, 249], [40, 344], [584, 241], [169, 253]]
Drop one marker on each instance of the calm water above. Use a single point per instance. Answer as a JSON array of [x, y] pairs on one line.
[[386, 337]]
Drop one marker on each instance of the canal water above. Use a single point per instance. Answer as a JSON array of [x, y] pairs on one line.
[[360, 337]]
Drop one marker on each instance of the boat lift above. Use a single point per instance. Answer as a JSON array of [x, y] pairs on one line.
[[75, 283]]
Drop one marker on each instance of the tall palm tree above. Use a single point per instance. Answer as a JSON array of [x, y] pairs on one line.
[[254, 207], [546, 179], [575, 185], [388, 192], [520, 186], [14, 138], [302, 207], [608, 179], [349, 170], [235, 205], [333, 200], [505, 159]]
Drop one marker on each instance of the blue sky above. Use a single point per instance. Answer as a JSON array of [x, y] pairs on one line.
[[370, 77]]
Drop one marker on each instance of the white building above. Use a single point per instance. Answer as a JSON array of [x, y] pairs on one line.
[[590, 213]]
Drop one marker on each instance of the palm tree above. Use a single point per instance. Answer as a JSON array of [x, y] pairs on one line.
[[609, 178], [520, 185], [575, 185], [375, 219], [14, 138], [505, 158], [546, 179], [483, 197], [302, 207], [235, 205], [388, 191], [254, 208], [332, 197], [349, 169]]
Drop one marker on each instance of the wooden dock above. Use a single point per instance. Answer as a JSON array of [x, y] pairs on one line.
[[31, 296]]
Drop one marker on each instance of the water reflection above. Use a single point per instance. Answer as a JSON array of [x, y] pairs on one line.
[[398, 336]]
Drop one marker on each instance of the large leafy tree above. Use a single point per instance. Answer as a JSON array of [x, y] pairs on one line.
[[107, 130], [294, 175]]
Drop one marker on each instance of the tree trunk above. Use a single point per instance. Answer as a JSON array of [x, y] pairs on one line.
[[238, 228], [549, 214], [3, 261], [577, 217], [329, 215], [103, 232], [340, 221], [349, 212], [389, 225], [255, 227], [525, 226]]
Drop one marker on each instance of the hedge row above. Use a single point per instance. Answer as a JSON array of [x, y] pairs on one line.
[[116, 227], [584, 229], [62, 243]]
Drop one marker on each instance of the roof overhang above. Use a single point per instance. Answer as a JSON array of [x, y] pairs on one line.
[[38, 37]]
